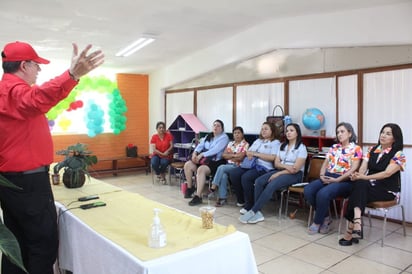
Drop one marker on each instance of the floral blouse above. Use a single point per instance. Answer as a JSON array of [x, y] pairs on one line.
[[399, 158], [237, 148], [340, 159]]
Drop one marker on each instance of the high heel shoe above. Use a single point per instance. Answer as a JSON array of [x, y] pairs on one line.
[[357, 233], [344, 242]]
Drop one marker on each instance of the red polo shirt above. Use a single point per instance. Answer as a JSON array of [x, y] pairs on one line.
[[25, 139]]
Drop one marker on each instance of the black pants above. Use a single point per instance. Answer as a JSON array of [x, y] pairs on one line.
[[31, 216], [364, 192]]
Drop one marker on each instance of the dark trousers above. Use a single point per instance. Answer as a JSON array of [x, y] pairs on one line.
[[235, 175], [364, 192], [243, 182], [30, 214]]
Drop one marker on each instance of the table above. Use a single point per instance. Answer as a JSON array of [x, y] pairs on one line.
[[90, 246], [115, 167]]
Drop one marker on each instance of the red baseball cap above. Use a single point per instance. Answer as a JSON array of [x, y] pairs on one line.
[[20, 51]]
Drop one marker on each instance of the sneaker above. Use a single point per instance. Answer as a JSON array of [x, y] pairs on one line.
[[246, 217], [242, 211], [189, 192], [240, 204], [325, 227], [195, 201], [221, 202], [313, 229], [258, 217]]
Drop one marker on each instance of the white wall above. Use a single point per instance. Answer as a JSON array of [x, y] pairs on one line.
[[385, 25]]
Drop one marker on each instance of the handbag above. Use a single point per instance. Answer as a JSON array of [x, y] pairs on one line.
[[248, 163], [205, 160], [131, 151], [278, 121]]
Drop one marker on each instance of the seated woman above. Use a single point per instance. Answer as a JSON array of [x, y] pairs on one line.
[[161, 145], [378, 179], [264, 149], [341, 161], [234, 154], [205, 160], [289, 167]]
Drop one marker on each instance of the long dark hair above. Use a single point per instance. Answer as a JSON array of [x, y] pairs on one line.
[[350, 129], [211, 135], [397, 135], [298, 138]]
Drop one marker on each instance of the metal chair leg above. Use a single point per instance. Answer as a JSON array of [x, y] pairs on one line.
[[403, 221]]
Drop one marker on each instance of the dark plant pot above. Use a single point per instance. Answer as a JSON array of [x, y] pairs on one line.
[[73, 179]]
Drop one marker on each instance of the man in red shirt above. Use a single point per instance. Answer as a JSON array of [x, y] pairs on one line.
[[26, 150]]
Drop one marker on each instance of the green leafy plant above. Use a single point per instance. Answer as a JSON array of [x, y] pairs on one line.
[[8, 243], [75, 164]]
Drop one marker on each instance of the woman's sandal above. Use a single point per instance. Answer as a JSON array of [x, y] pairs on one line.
[[221, 202], [357, 233], [344, 242]]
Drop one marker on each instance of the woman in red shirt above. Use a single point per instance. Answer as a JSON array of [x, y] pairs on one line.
[[161, 145]]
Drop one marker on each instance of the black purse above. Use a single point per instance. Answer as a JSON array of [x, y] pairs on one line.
[[131, 151]]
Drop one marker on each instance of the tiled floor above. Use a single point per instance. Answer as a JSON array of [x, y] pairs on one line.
[[283, 246]]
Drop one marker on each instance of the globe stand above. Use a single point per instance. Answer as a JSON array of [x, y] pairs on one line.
[[314, 133]]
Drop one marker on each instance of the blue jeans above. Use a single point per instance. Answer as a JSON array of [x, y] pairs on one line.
[[320, 195], [221, 179], [243, 181], [159, 165], [264, 190]]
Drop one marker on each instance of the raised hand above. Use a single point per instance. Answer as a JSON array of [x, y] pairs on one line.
[[83, 63]]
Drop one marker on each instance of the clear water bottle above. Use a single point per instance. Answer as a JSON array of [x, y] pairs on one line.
[[157, 235]]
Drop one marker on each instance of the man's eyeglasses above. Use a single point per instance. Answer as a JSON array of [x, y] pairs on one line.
[[35, 64]]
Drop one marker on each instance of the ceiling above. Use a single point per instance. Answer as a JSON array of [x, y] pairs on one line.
[[182, 27]]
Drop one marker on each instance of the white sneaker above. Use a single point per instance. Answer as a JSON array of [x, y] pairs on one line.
[[239, 204], [242, 211], [258, 217]]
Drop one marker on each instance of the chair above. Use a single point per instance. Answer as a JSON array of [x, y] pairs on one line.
[[313, 173], [178, 172], [385, 207]]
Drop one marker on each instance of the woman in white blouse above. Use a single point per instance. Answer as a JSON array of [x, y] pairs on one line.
[[289, 167]]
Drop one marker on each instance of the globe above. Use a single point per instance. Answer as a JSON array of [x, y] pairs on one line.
[[313, 119]]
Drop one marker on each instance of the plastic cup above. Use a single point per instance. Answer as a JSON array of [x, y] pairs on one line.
[[207, 213], [55, 179]]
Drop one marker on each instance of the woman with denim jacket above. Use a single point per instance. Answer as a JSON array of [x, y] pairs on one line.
[[205, 160]]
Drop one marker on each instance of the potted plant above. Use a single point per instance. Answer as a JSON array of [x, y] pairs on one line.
[[8, 243], [75, 164]]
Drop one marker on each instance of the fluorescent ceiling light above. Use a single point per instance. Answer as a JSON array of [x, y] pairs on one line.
[[135, 46]]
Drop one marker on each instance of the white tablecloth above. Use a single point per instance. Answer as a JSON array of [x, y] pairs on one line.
[[84, 251]]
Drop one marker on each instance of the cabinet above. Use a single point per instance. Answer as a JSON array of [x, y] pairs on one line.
[[185, 130], [315, 144]]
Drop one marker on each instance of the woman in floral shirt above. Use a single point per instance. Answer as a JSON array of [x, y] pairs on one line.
[[234, 154], [341, 161], [378, 179]]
